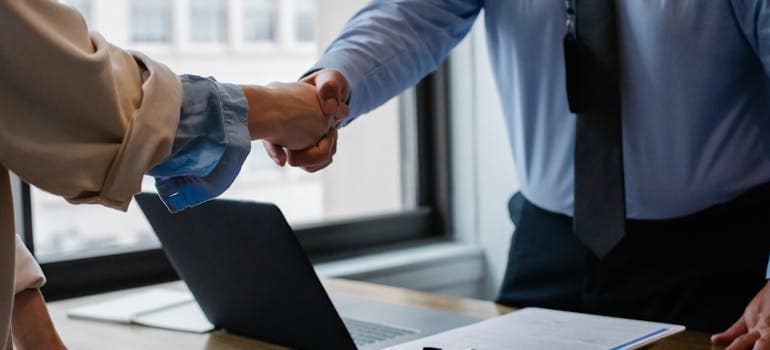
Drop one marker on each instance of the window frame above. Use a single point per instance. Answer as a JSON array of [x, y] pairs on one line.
[[429, 222], [168, 42], [226, 31], [296, 23], [277, 24]]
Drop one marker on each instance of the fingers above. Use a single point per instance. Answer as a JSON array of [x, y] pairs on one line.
[[737, 329], [762, 343], [332, 84], [318, 157], [744, 342], [332, 90], [276, 153], [344, 113], [315, 168]]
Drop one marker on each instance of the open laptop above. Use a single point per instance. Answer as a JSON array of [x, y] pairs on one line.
[[250, 276]]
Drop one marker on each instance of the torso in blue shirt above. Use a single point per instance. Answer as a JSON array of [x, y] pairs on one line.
[[696, 103], [695, 93]]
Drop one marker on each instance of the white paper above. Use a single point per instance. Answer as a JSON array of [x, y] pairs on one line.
[[187, 317], [535, 329], [123, 309]]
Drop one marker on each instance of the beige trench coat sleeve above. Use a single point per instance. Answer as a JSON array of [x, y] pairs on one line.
[[79, 117]]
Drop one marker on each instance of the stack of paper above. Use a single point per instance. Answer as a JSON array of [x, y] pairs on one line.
[[154, 308], [536, 329]]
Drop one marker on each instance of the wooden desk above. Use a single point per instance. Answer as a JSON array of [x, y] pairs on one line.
[[90, 335]]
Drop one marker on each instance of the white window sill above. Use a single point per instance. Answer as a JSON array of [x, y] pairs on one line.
[[448, 268]]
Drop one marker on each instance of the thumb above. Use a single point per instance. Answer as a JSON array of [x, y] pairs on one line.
[[332, 90], [344, 113], [275, 152], [737, 329]]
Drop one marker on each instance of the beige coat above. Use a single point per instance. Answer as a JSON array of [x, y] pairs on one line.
[[79, 118]]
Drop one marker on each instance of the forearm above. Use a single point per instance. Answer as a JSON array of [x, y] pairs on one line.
[[390, 45], [32, 326], [259, 125], [217, 123]]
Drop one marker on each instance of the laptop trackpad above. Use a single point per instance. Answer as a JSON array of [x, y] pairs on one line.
[[401, 323]]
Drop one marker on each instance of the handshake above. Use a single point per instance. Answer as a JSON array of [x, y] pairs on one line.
[[297, 122]]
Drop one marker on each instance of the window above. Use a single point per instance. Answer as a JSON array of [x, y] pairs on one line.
[[150, 21], [305, 20], [63, 231], [381, 190], [208, 21], [260, 20]]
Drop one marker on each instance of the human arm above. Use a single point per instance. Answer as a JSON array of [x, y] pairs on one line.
[[752, 329], [385, 48], [217, 123], [84, 119], [30, 322]]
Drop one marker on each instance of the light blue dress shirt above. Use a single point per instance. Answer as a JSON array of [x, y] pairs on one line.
[[212, 142], [694, 81]]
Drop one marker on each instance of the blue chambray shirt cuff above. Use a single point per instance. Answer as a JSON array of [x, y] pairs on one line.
[[200, 139], [226, 105]]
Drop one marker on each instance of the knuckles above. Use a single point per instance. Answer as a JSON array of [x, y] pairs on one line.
[[309, 161]]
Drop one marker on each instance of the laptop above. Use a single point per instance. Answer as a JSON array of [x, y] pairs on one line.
[[250, 276]]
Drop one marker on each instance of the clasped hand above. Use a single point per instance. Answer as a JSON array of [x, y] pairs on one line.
[[299, 127], [297, 121], [286, 114]]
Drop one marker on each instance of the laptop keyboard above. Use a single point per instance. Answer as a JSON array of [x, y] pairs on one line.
[[365, 333]]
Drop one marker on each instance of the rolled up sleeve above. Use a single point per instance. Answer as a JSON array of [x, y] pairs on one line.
[[81, 118], [212, 142]]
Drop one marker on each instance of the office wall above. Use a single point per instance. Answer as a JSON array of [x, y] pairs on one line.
[[483, 173]]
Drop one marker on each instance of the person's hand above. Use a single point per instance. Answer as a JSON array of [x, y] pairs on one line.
[[287, 115], [332, 92], [752, 330]]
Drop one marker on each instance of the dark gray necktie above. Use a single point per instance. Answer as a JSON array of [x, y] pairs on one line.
[[593, 88]]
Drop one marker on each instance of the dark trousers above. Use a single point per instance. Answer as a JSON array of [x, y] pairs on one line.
[[700, 270]]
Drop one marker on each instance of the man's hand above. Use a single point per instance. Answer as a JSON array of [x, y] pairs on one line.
[[332, 92], [752, 330], [287, 115]]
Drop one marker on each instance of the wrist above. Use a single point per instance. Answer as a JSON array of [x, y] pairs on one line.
[[261, 107]]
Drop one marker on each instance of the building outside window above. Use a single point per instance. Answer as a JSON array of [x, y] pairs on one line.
[[151, 21], [304, 20], [208, 21], [260, 20]]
